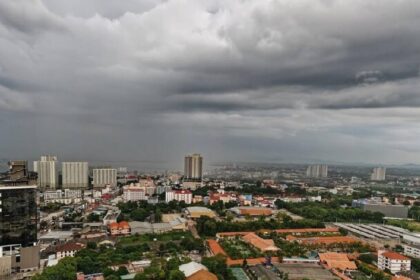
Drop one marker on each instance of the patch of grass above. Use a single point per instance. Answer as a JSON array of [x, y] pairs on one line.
[[410, 225]]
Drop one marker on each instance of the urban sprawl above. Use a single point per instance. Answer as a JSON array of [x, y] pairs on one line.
[[71, 220]]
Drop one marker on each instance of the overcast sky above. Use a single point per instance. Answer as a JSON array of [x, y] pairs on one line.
[[237, 80]]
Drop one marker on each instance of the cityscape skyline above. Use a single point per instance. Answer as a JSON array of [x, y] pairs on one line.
[[292, 90]]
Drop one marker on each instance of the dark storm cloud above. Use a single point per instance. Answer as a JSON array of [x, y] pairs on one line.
[[199, 75]]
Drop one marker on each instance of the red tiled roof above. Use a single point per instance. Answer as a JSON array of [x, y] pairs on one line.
[[337, 260], [233, 233], [113, 225], [395, 256], [307, 230], [260, 243], [124, 224], [202, 275], [215, 248], [69, 247]]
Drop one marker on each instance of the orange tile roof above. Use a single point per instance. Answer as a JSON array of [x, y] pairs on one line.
[[215, 248], [337, 260], [113, 225], [324, 239], [124, 224], [395, 256], [260, 243], [233, 233], [307, 230], [69, 247], [202, 275], [256, 211]]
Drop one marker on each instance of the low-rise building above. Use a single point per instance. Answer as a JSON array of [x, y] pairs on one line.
[[264, 245], [198, 211], [251, 211], [411, 250], [67, 250], [121, 228], [393, 261]]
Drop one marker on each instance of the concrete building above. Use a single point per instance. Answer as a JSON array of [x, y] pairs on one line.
[[378, 174], [103, 177], [317, 171], [75, 175], [193, 167], [134, 192], [47, 169], [412, 250], [393, 261], [66, 196], [179, 195]]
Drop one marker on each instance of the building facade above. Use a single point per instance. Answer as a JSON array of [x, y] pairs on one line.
[[103, 177], [193, 167], [18, 215], [179, 195], [47, 172], [378, 174], [75, 175], [317, 171]]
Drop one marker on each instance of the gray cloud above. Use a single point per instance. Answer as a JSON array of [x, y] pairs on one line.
[[157, 79]]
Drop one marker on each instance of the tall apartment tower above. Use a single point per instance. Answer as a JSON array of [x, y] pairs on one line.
[[378, 174], [47, 169], [75, 175], [193, 167], [18, 216], [317, 171], [104, 176]]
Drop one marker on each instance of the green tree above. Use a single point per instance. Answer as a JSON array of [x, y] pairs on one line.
[[176, 275]]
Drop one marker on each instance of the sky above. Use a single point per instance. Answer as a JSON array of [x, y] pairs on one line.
[[147, 81]]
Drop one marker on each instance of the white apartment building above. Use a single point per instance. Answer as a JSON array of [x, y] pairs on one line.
[[66, 196], [75, 175], [136, 192], [393, 261], [193, 167], [378, 174], [411, 250], [103, 177], [47, 172], [317, 171], [179, 195]]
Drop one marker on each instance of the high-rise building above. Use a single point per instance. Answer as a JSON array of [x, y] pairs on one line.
[[18, 230], [193, 167], [103, 177], [18, 215], [75, 175], [47, 172], [378, 174], [317, 171]]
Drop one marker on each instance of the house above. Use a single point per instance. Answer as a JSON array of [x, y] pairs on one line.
[[67, 250], [393, 261], [121, 228]]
